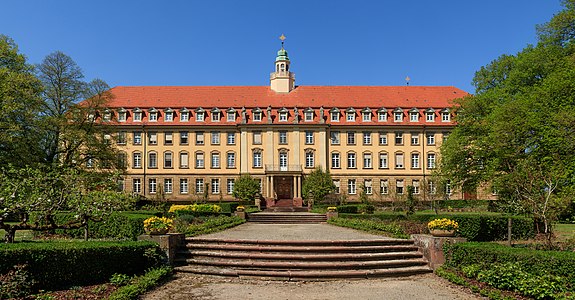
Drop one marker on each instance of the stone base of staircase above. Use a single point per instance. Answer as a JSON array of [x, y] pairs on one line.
[[301, 259]]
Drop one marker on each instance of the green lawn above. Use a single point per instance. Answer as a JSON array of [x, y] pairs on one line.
[[564, 231]]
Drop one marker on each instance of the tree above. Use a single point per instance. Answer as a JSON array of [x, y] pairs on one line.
[[246, 188], [317, 185], [516, 133], [20, 104]]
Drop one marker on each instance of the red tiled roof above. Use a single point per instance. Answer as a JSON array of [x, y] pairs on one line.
[[302, 96]]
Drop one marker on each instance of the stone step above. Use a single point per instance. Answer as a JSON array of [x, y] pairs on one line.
[[306, 249], [305, 274], [364, 242], [303, 257], [320, 265]]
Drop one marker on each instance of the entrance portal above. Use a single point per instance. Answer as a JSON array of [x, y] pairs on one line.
[[283, 187]]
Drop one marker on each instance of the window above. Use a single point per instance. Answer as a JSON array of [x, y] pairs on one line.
[[448, 188], [383, 161], [258, 116], [309, 159], [383, 138], [367, 138], [199, 138], [415, 160], [215, 137], [431, 187], [215, 160], [137, 116], [283, 116], [215, 186], [168, 157], [183, 138], [336, 182], [368, 186], [122, 116], [257, 159], [382, 116], [137, 185], [429, 116], [351, 137], [351, 187], [200, 116], [431, 160], [399, 186], [184, 160], [153, 116], [383, 187], [334, 116], [107, 115], [231, 116], [216, 115], [137, 138], [399, 138], [308, 116], [445, 116], [351, 160], [121, 138], [398, 116], [414, 138], [168, 185], [90, 162], [350, 116], [231, 138], [152, 185], [399, 160], [230, 185], [413, 116], [152, 138], [283, 160], [430, 137], [415, 184], [184, 117], [367, 161], [136, 160], [335, 160], [283, 137], [366, 116], [168, 138], [231, 160], [168, 116], [334, 137], [199, 185], [309, 137], [257, 137], [200, 160], [152, 160], [184, 186]]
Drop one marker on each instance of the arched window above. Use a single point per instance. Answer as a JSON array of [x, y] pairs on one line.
[[136, 160], [351, 160], [309, 158], [168, 160], [152, 159], [184, 160], [335, 160], [200, 161], [122, 159]]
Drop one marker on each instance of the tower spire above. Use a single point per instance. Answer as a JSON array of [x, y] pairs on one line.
[[282, 80], [282, 38]]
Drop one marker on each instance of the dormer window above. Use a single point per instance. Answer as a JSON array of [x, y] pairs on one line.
[[137, 117], [200, 114], [413, 115], [308, 114], [216, 113], [445, 116], [350, 115], [334, 114], [429, 115], [153, 115], [283, 114], [366, 115], [257, 114], [398, 115], [184, 115], [122, 115], [107, 115], [231, 115], [168, 115], [382, 115]]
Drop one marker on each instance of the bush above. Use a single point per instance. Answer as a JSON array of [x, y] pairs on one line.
[[17, 283], [60, 264], [347, 209], [119, 279], [212, 225], [229, 207], [142, 284], [393, 230], [196, 210]]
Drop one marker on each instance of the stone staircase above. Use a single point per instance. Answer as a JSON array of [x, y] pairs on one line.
[[301, 259], [286, 217]]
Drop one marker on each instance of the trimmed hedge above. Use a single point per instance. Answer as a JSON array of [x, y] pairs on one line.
[[119, 225], [356, 208], [141, 284], [378, 227], [474, 227], [228, 207], [212, 225], [64, 264]]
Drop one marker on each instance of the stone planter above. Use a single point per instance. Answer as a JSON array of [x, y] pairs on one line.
[[157, 231], [442, 232]]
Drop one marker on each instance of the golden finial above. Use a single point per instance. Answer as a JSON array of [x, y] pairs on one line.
[[407, 79], [282, 38]]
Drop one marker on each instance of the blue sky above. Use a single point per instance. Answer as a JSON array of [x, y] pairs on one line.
[[216, 42]]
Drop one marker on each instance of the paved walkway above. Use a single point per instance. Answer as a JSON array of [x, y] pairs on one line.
[[199, 287]]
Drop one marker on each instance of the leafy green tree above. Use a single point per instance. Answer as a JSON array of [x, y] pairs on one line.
[[317, 185], [516, 132], [246, 188], [20, 104]]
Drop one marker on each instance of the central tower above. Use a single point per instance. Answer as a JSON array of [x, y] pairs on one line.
[[282, 80]]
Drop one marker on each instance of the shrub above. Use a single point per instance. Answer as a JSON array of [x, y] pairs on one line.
[[119, 279], [228, 207], [347, 209], [142, 284], [393, 230], [157, 223], [16, 283], [212, 225], [196, 210], [442, 224], [119, 225], [60, 264]]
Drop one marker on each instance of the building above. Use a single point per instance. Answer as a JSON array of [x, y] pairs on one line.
[[182, 141]]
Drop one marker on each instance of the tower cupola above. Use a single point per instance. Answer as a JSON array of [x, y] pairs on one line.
[[282, 80]]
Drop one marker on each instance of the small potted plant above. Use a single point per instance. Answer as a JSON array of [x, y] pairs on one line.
[[157, 225], [240, 208], [332, 209], [442, 227]]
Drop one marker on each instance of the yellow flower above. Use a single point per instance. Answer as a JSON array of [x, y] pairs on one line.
[[444, 224], [158, 223]]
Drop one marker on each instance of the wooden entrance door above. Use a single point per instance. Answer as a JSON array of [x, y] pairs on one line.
[[283, 187]]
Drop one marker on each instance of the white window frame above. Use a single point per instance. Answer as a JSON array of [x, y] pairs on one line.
[[309, 159], [200, 186], [215, 138], [350, 116], [351, 186], [335, 160], [137, 117], [215, 186], [230, 183], [136, 185], [351, 160], [431, 161], [399, 160], [231, 116], [283, 117], [184, 187], [415, 158], [152, 185], [334, 116], [368, 160], [384, 186], [309, 140], [168, 116], [367, 137], [231, 138], [382, 116], [334, 137], [383, 162], [184, 116], [215, 160], [231, 160], [200, 116], [168, 185]]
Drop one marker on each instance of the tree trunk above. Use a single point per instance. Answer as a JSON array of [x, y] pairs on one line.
[[86, 231], [509, 231], [10, 234]]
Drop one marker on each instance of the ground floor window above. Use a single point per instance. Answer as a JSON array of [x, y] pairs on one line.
[[215, 186], [183, 185], [351, 187]]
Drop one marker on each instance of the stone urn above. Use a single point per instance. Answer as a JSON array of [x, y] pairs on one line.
[[157, 231], [442, 232]]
